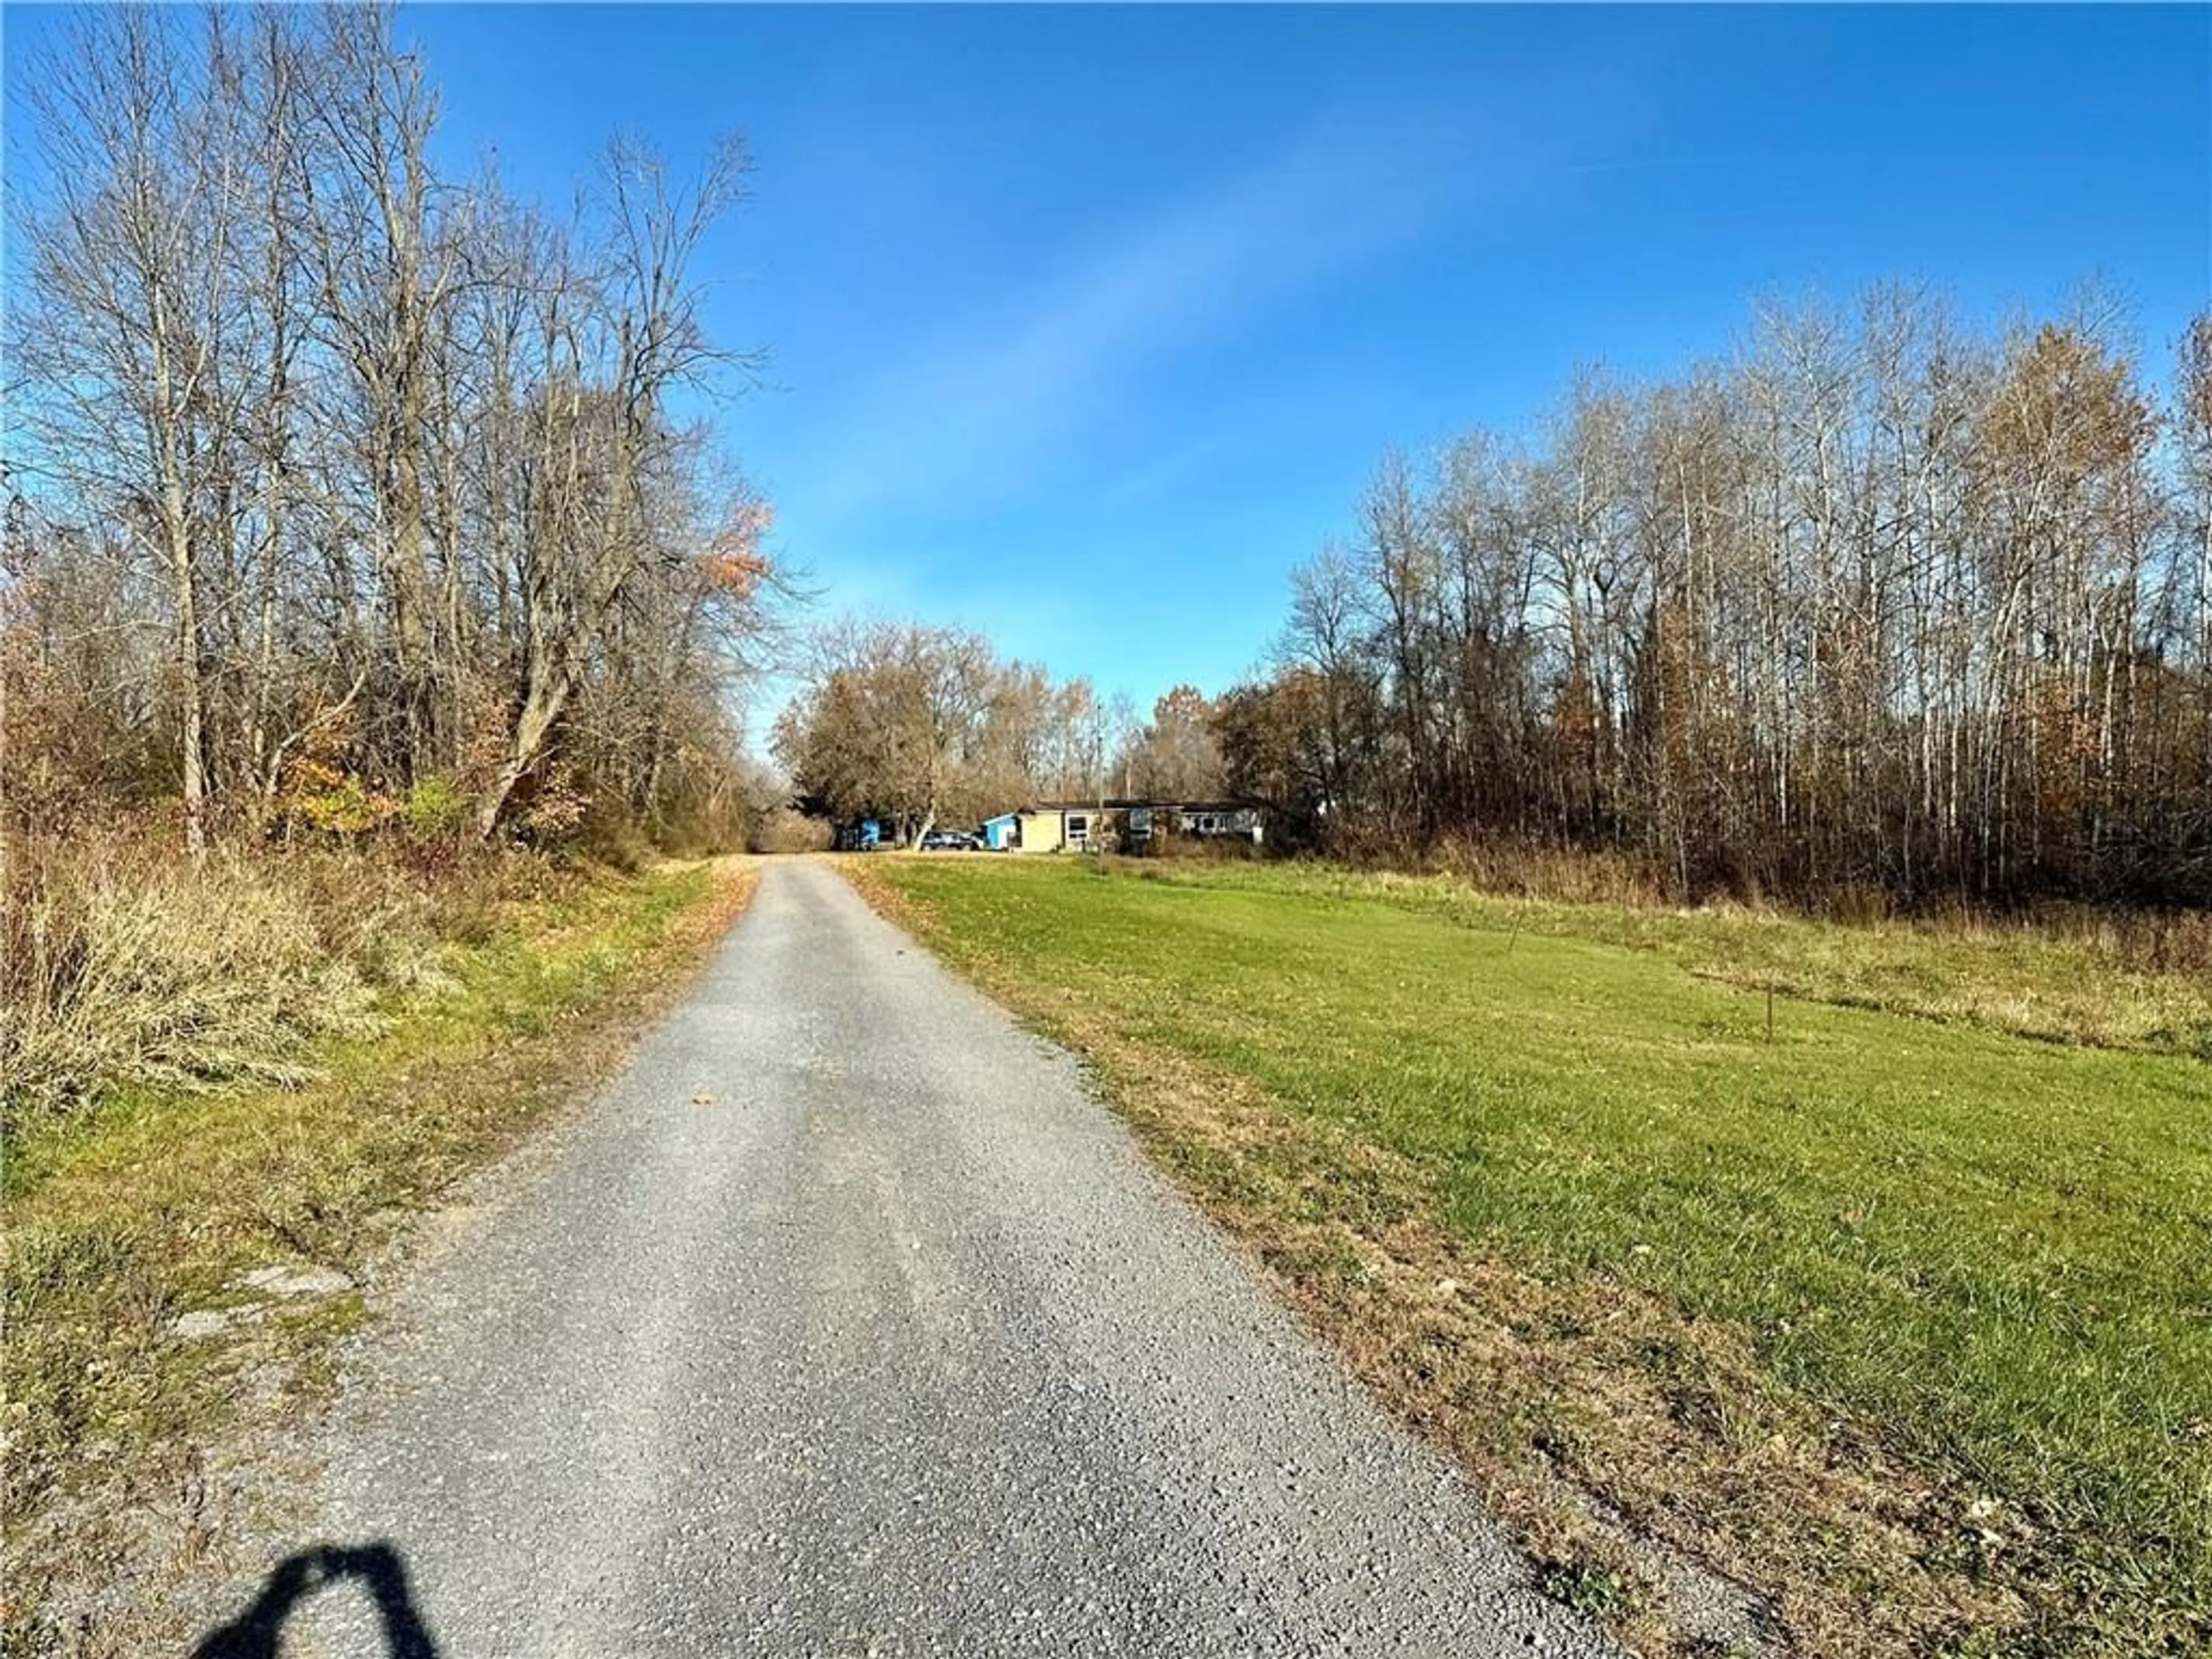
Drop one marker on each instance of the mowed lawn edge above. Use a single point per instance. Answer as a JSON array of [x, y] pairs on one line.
[[1905, 1325], [128, 1449]]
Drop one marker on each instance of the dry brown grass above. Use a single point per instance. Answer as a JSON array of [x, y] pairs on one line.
[[1563, 876], [2142, 942], [2069, 976], [125, 965], [788, 831]]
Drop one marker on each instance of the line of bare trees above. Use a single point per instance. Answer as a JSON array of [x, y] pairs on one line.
[[1879, 601], [329, 472], [917, 726]]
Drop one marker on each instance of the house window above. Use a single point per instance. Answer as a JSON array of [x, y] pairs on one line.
[[1079, 829]]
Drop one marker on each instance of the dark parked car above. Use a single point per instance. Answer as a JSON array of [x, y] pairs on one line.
[[951, 840]]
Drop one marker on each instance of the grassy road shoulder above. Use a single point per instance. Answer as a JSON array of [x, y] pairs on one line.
[[136, 1337], [1900, 1320]]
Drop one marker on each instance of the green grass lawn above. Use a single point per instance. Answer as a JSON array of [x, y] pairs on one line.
[[1993, 1253]]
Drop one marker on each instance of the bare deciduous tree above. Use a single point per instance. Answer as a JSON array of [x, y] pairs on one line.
[[329, 459], [1875, 603]]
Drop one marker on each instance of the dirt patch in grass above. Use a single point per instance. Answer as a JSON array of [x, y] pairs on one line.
[[181, 1267], [1597, 1419]]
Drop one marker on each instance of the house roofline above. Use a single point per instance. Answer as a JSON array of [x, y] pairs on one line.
[[1122, 804]]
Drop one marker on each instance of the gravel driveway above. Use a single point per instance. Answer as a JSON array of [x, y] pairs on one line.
[[847, 1322]]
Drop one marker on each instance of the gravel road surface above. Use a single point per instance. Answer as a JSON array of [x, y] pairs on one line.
[[847, 1322]]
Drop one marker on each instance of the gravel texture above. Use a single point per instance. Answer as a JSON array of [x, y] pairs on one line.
[[847, 1322]]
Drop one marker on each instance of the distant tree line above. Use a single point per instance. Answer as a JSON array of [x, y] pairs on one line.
[[341, 487], [917, 726], [1880, 601]]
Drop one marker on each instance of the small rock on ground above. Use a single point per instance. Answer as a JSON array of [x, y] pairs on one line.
[[294, 1281]]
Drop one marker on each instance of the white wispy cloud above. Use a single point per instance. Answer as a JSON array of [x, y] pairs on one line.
[[972, 407]]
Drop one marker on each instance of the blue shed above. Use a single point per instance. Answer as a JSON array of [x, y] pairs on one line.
[[1002, 832]]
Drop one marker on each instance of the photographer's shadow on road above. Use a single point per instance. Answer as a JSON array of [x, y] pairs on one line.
[[258, 1631]]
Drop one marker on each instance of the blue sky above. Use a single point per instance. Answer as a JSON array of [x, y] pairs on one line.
[[1087, 323]]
